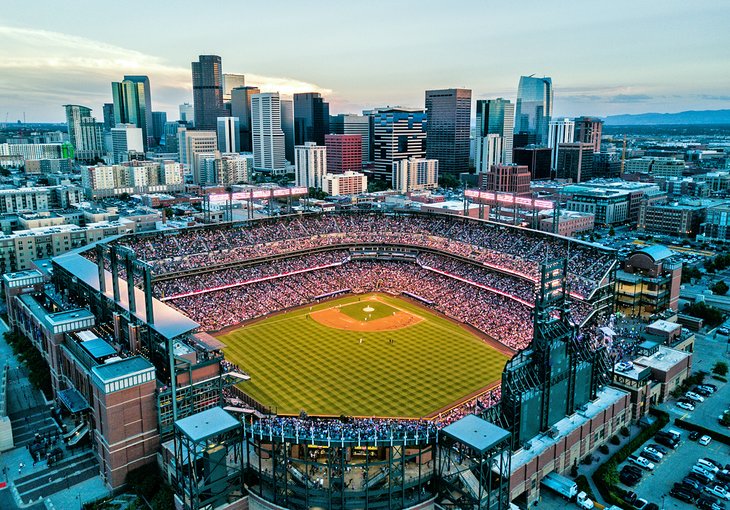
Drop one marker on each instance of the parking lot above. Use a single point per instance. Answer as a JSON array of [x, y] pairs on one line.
[[673, 467]]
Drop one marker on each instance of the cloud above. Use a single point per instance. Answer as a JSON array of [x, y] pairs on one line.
[[42, 70], [630, 98]]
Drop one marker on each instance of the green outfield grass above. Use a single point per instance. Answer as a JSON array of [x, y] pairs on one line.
[[297, 364]]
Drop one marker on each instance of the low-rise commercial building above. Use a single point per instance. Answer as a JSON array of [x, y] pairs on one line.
[[675, 219], [566, 223], [649, 281], [347, 183]]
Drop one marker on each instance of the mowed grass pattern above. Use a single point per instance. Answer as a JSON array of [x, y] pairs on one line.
[[357, 310], [298, 364]]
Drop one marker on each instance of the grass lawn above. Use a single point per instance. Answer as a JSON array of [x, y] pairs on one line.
[[297, 364], [357, 311]]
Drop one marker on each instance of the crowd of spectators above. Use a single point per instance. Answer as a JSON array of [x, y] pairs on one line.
[[518, 251]]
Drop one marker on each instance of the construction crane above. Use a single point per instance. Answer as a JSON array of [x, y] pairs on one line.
[[623, 157]]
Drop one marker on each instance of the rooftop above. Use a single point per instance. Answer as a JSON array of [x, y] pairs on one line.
[[478, 434], [656, 251], [128, 366], [664, 359], [664, 326], [207, 423]]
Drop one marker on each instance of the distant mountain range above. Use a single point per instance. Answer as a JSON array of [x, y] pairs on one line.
[[695, 117]]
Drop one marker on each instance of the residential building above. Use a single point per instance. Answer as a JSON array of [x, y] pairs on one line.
[[344, 152], [310, 160], [268, 137], [191, 144], [132, 105], [656, 166], [649, 281], [241, 108], [287, 125], [574, 162], [448, 116], [74, 114], [497, 116], [24, 199], [566, 223], [559, 132], [137, 176], [91, 140], [229, 136], [414, 174], [187, 114], [48, 166], [352, 124], [716, 226], [488, 152], [681, 219], [589, 130], [398, 133], [225, 169], [208, 91], [126, 139], [534, 108], [230, 82], [311, 118], [37, 150], [537, 159], [512, 178], [609, 207], [346, 183]]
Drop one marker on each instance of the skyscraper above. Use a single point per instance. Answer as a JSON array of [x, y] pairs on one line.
[[352, 124], [187, 114], [488, 152], [130, 105], [534, 108], [230, 82], [241, 108], [311, 164], [589, 130], [158, 126], [208, 91], [74, 114], [126, 138], [229, 137], [575, 162], [268, 137], [497, 116], [108, 112], [559, 131], [311, 118], [287, 125], [85, 134], [344, 153], [192, 144], [398, 133], [448, 112]]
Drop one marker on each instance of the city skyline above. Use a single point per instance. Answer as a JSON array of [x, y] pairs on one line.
[[635, 61]]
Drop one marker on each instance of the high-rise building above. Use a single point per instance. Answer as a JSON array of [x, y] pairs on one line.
[[398, 133], [559, 131], [187, 114], [287, 125], [193, 143], [130, 105], [311, 118], [488, 152], [144, 96], [108, 112], [268, 137], [310, 161], [344, 152], [92, 140], [589, 130], [230, 82], [513, 179], [537, 159], [415, 174], [448, 114], [126, 138], [352, 124], [169, 136], [497, 116], [229, 137], [241, 108], [225, 169], [534, 108], [208, 91], [74, 114], [348, 183], [575, 161], [158, 126]]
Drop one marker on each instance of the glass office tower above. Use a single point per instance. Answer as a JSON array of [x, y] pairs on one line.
[[534, 108]]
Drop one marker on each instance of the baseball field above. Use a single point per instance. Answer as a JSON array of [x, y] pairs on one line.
[[367, 355]]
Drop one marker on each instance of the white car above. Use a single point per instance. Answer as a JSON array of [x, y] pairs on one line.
[[705, 440], [642, 462], [694, 396], [686, 406], [709, 466], [653, 451], [718, 491]]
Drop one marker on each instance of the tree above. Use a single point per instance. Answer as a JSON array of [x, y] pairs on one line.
[[720, 288], [720, 368], [377, 185], [448, 181], [124, 196], [611, 232], [690, 273], [5, 172], [711, 315], [317, 194]]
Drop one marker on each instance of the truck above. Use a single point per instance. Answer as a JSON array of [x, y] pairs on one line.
[[561, 484], [583, 501]]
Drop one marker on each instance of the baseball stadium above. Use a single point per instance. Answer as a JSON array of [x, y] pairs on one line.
[[339, 358]]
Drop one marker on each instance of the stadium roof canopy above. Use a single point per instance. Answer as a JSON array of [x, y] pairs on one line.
[[208, 423], [476, 433], [168, 322], [657, 252]]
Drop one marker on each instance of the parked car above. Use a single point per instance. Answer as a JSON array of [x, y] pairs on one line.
[[699, 470], [662, 449], [694, 396], [701, 391], [710, 386], [691, 482], [629, 479], [651, 456], [707, 502], [640, 504], [642, 462], [705, 440], [686, 406], [714, 462], [669, 443], [682, 495], [701, 478], [708, 465], [630, 468], [651, 506], [630, 497], [719, 491]]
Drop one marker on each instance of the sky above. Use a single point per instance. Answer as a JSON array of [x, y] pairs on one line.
[[604, 57]]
